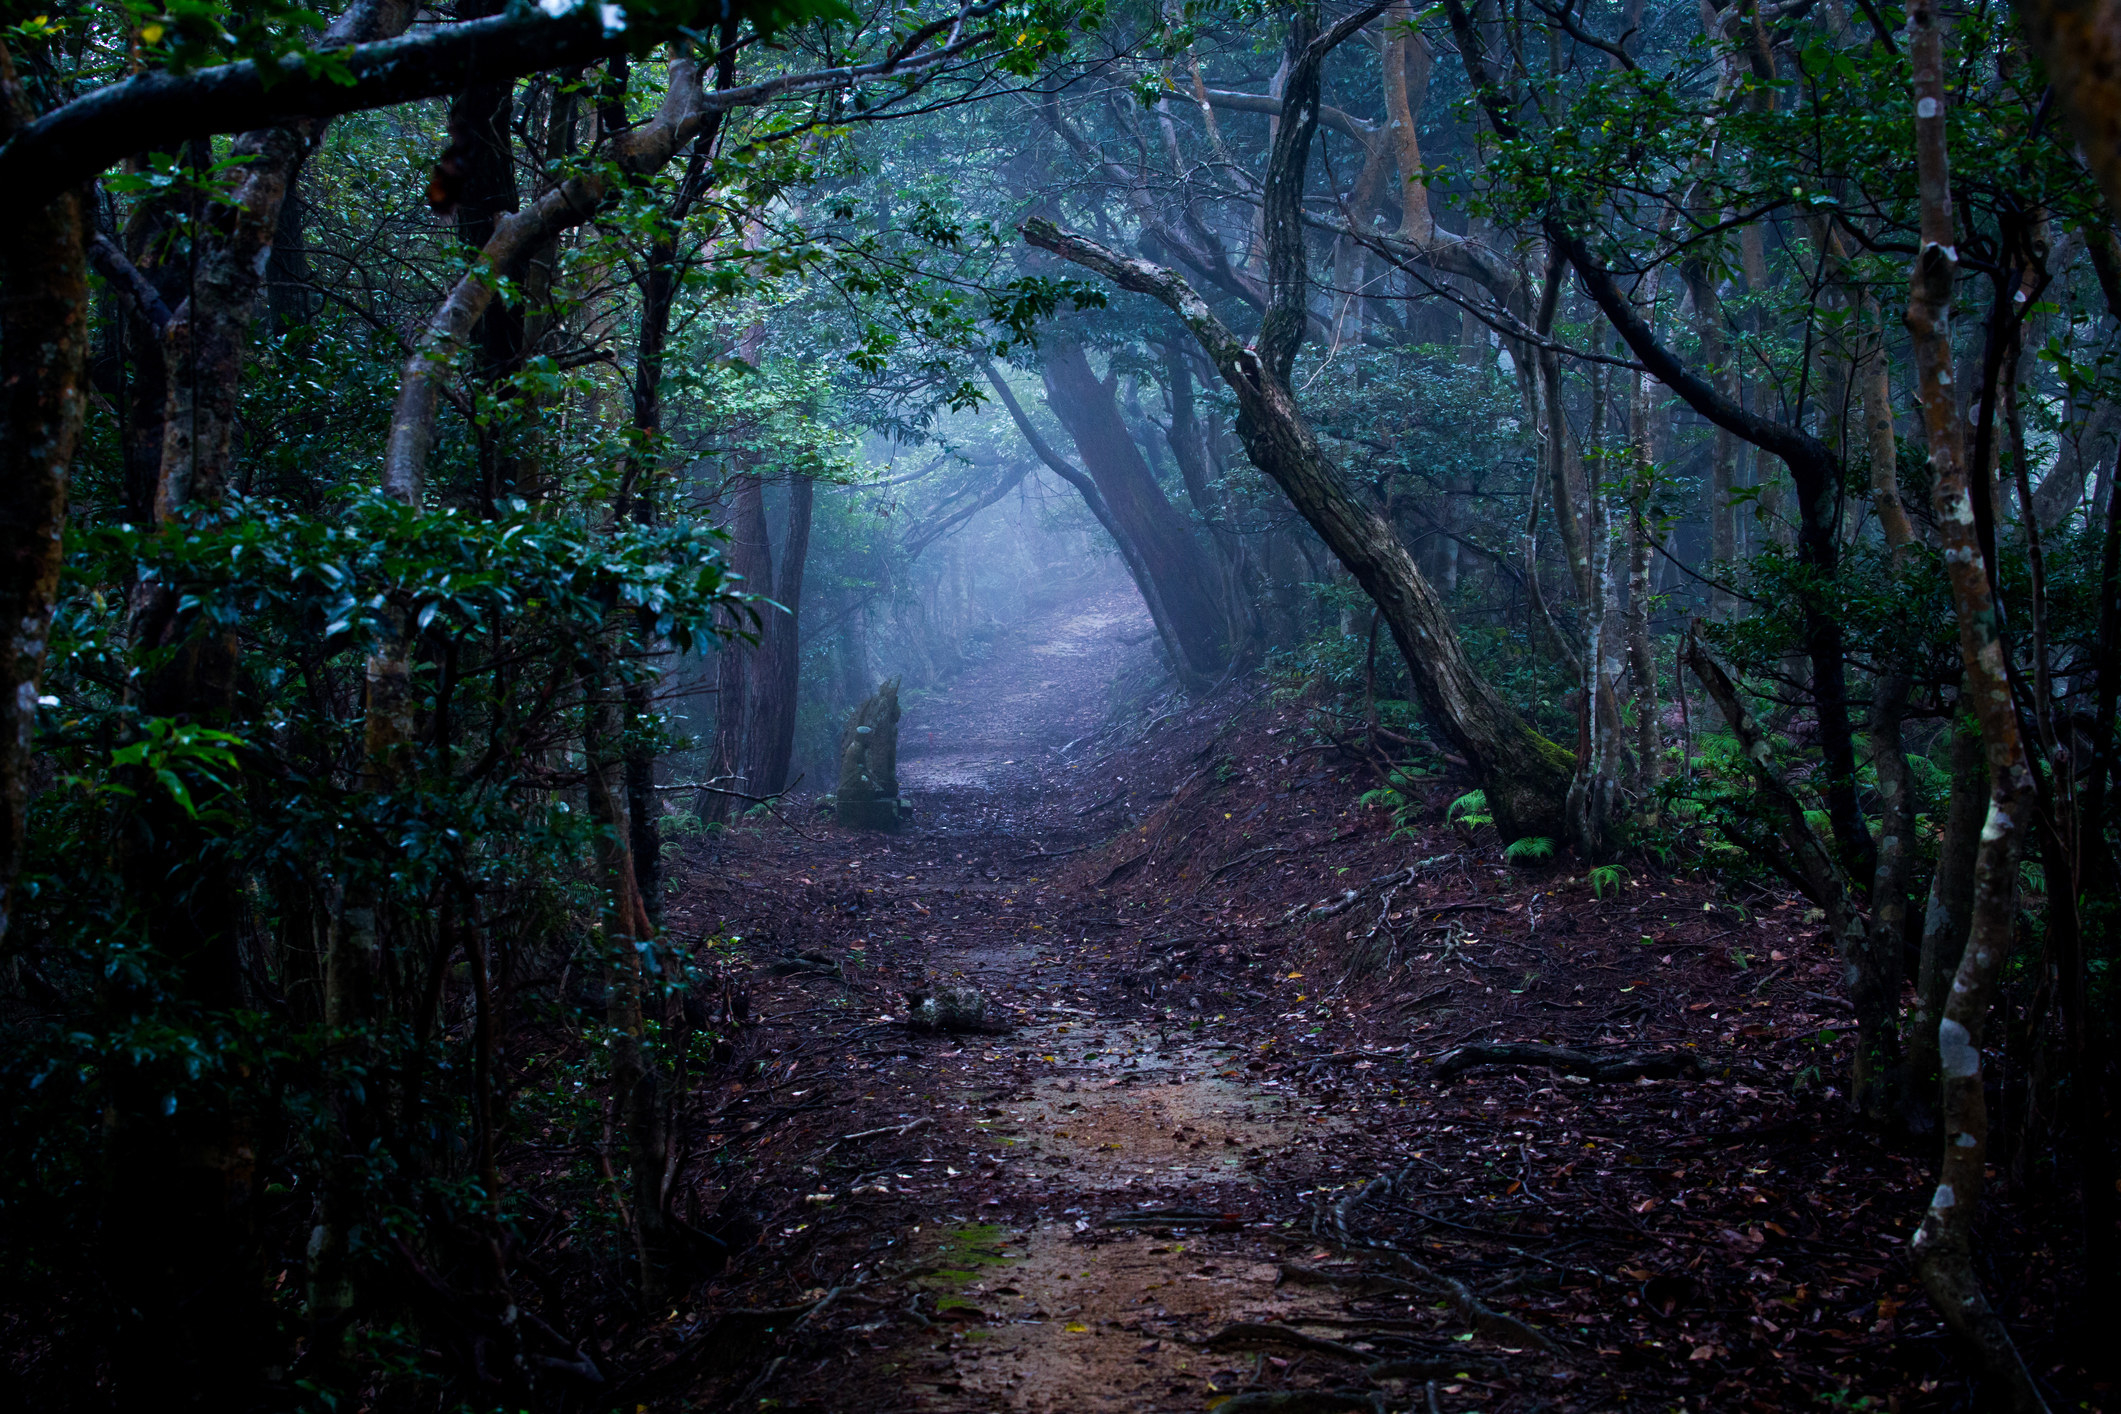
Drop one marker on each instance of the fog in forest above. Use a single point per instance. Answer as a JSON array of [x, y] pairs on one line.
[[1052, 706]]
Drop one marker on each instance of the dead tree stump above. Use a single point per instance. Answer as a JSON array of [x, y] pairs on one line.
[[867, 797]]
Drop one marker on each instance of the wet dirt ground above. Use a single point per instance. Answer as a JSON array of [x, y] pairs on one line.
[[1198, 1154]]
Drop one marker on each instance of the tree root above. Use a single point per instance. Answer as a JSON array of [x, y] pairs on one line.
[[1610, 1067], [1263, 1333], [1303, 1401], [1397, 1367], [1503, 1329]]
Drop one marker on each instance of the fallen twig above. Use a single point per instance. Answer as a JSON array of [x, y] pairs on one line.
[[1302, 1401], [1249, 856], [1058, 853], [901, 1130], [1174, 1217]]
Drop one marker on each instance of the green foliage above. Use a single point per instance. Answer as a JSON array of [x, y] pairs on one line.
[[166, 847], [1469, 811], [1530, 850], [1605, 879], [1400, 798]]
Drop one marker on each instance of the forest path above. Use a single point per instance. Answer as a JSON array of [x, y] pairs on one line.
[[1077, 1199], [1095, 1105]]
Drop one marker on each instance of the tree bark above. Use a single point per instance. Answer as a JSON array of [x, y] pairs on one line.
[[1642, 663], [756, 683], [771, 731], [1191, 449], [1723, 458], [1943, 1245], [43, 380], [641, 1108], [1185, 582], [2080, 43], [1524, 774], [751, 557]]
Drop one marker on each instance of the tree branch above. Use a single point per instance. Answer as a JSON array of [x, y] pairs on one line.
[[138, 291], [76, 141]]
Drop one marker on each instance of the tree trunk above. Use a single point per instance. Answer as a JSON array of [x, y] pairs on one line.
[[43, 376], [756, 684], [1129, 554], [639, 1104], [1524, 774], [1723, 458], [1812, 465], [1882, 1073], [1950, 911], [1192, 449], [1943, 1245], [1642, 663], [750, 556], [1805, 858], [1185, 582], [770, 731]]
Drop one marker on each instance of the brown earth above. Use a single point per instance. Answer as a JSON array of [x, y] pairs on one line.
[[1203, 1153]]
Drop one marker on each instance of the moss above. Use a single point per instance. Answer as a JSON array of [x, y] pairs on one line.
[[961, 1254]]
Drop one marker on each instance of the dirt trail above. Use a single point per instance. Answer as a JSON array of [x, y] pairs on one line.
[[1095, 1105]]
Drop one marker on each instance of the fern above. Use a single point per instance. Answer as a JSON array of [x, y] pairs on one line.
[[1606, 877], [1529, 850], [1469, 810], [1399, 797]]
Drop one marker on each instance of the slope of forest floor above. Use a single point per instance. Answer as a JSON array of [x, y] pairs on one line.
[[1204, 1159]]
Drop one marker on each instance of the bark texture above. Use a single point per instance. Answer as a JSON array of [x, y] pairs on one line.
[[1943, 1246], [43, 378], [1094, 499], [1812, 464], [1807, 859], [756, 684], [2080, 42]]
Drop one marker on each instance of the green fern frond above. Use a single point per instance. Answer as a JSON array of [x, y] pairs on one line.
[[1473, 802], [1529, 850]]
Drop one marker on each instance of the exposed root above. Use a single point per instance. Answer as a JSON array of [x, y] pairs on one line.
[[1303, 1401], [1606, 1066], [1496, 1326]]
